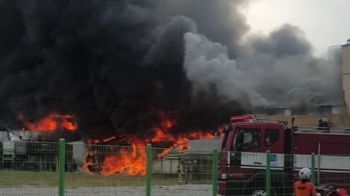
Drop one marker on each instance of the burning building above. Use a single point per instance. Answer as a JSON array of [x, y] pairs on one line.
[[51, 127], [111, 156]]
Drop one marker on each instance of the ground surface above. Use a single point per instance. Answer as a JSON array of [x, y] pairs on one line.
[[180, 190], [82, 184]]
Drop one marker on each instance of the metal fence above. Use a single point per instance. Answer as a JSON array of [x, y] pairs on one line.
[[183, 173], [38, 168]]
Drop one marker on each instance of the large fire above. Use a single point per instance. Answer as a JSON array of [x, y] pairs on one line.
[[110, 159], [132, 161], [132, 164], [123, 159], [51, 123]]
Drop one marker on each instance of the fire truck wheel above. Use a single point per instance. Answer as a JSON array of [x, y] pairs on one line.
[[255, 191], [259, 193]]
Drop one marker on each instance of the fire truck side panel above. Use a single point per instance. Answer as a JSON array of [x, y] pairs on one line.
[[307, 143], [334, 150]]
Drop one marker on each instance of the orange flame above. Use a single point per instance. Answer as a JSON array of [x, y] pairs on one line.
[[133, 161], [49, 123]]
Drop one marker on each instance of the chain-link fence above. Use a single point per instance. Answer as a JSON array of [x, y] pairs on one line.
[[29, 168], [107, 170], [33, 168], [181, 173], [253, 173]]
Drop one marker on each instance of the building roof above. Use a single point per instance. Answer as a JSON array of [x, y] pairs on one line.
[[202, 146], [321, 104], [25, 135], [346, 45]]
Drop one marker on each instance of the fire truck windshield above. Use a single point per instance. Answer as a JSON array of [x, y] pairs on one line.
[[246, 139]]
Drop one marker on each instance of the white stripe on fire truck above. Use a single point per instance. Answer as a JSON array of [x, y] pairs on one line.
[[327, 162]]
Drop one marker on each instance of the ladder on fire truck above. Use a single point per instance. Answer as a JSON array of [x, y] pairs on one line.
[[309, 129]]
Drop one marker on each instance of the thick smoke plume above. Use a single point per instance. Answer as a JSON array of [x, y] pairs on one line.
[[277, 69], [114, 64]]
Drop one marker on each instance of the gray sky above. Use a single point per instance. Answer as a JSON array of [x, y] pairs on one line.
[[325, 22]]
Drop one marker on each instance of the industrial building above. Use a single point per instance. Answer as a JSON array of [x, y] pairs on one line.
[[346, 75], [335, 112]]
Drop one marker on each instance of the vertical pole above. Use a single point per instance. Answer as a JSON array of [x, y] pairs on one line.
[[348, 189], [313, 167], [215, 171], [319, 163], [148, 170], [268, 173], [61, 166]]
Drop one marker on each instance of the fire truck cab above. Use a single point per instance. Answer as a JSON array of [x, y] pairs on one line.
[[241, 169]]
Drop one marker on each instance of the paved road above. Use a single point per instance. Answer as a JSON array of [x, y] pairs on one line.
[[176, 190]]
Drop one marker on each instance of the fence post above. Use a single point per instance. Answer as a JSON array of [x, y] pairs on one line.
[[313, 168], [61, 166], [148, 170], [215, 171], [268, 173]]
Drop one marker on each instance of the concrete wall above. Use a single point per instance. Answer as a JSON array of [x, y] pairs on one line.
[[346, 75]]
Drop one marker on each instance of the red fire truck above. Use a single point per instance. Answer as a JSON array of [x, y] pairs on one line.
[[241, 169]]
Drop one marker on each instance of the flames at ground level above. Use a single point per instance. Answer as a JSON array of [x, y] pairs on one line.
[[108, 160]]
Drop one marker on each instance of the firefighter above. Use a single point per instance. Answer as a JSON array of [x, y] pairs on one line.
[[189, 170], [181, 169], [304, 187], [323, 125]]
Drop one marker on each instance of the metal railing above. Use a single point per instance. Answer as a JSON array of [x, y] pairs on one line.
[[80, 169]]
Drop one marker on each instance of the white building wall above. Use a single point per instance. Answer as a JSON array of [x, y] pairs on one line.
[[78, 151], [168, 166]]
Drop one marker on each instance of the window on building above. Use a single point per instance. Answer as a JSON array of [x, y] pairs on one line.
[[275, 111], [271, 137], [325, 109], [252, 139], [300, 111]]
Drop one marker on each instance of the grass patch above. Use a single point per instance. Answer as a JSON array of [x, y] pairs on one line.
[[49, 179], [84, 179], [14, 178], [74, 180]]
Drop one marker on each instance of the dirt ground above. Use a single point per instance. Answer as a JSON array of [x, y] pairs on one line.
[[173, 190]]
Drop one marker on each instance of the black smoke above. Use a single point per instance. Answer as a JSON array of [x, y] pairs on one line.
[[114, 64]]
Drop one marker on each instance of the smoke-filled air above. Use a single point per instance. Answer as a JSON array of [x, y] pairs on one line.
[[116, 65]]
